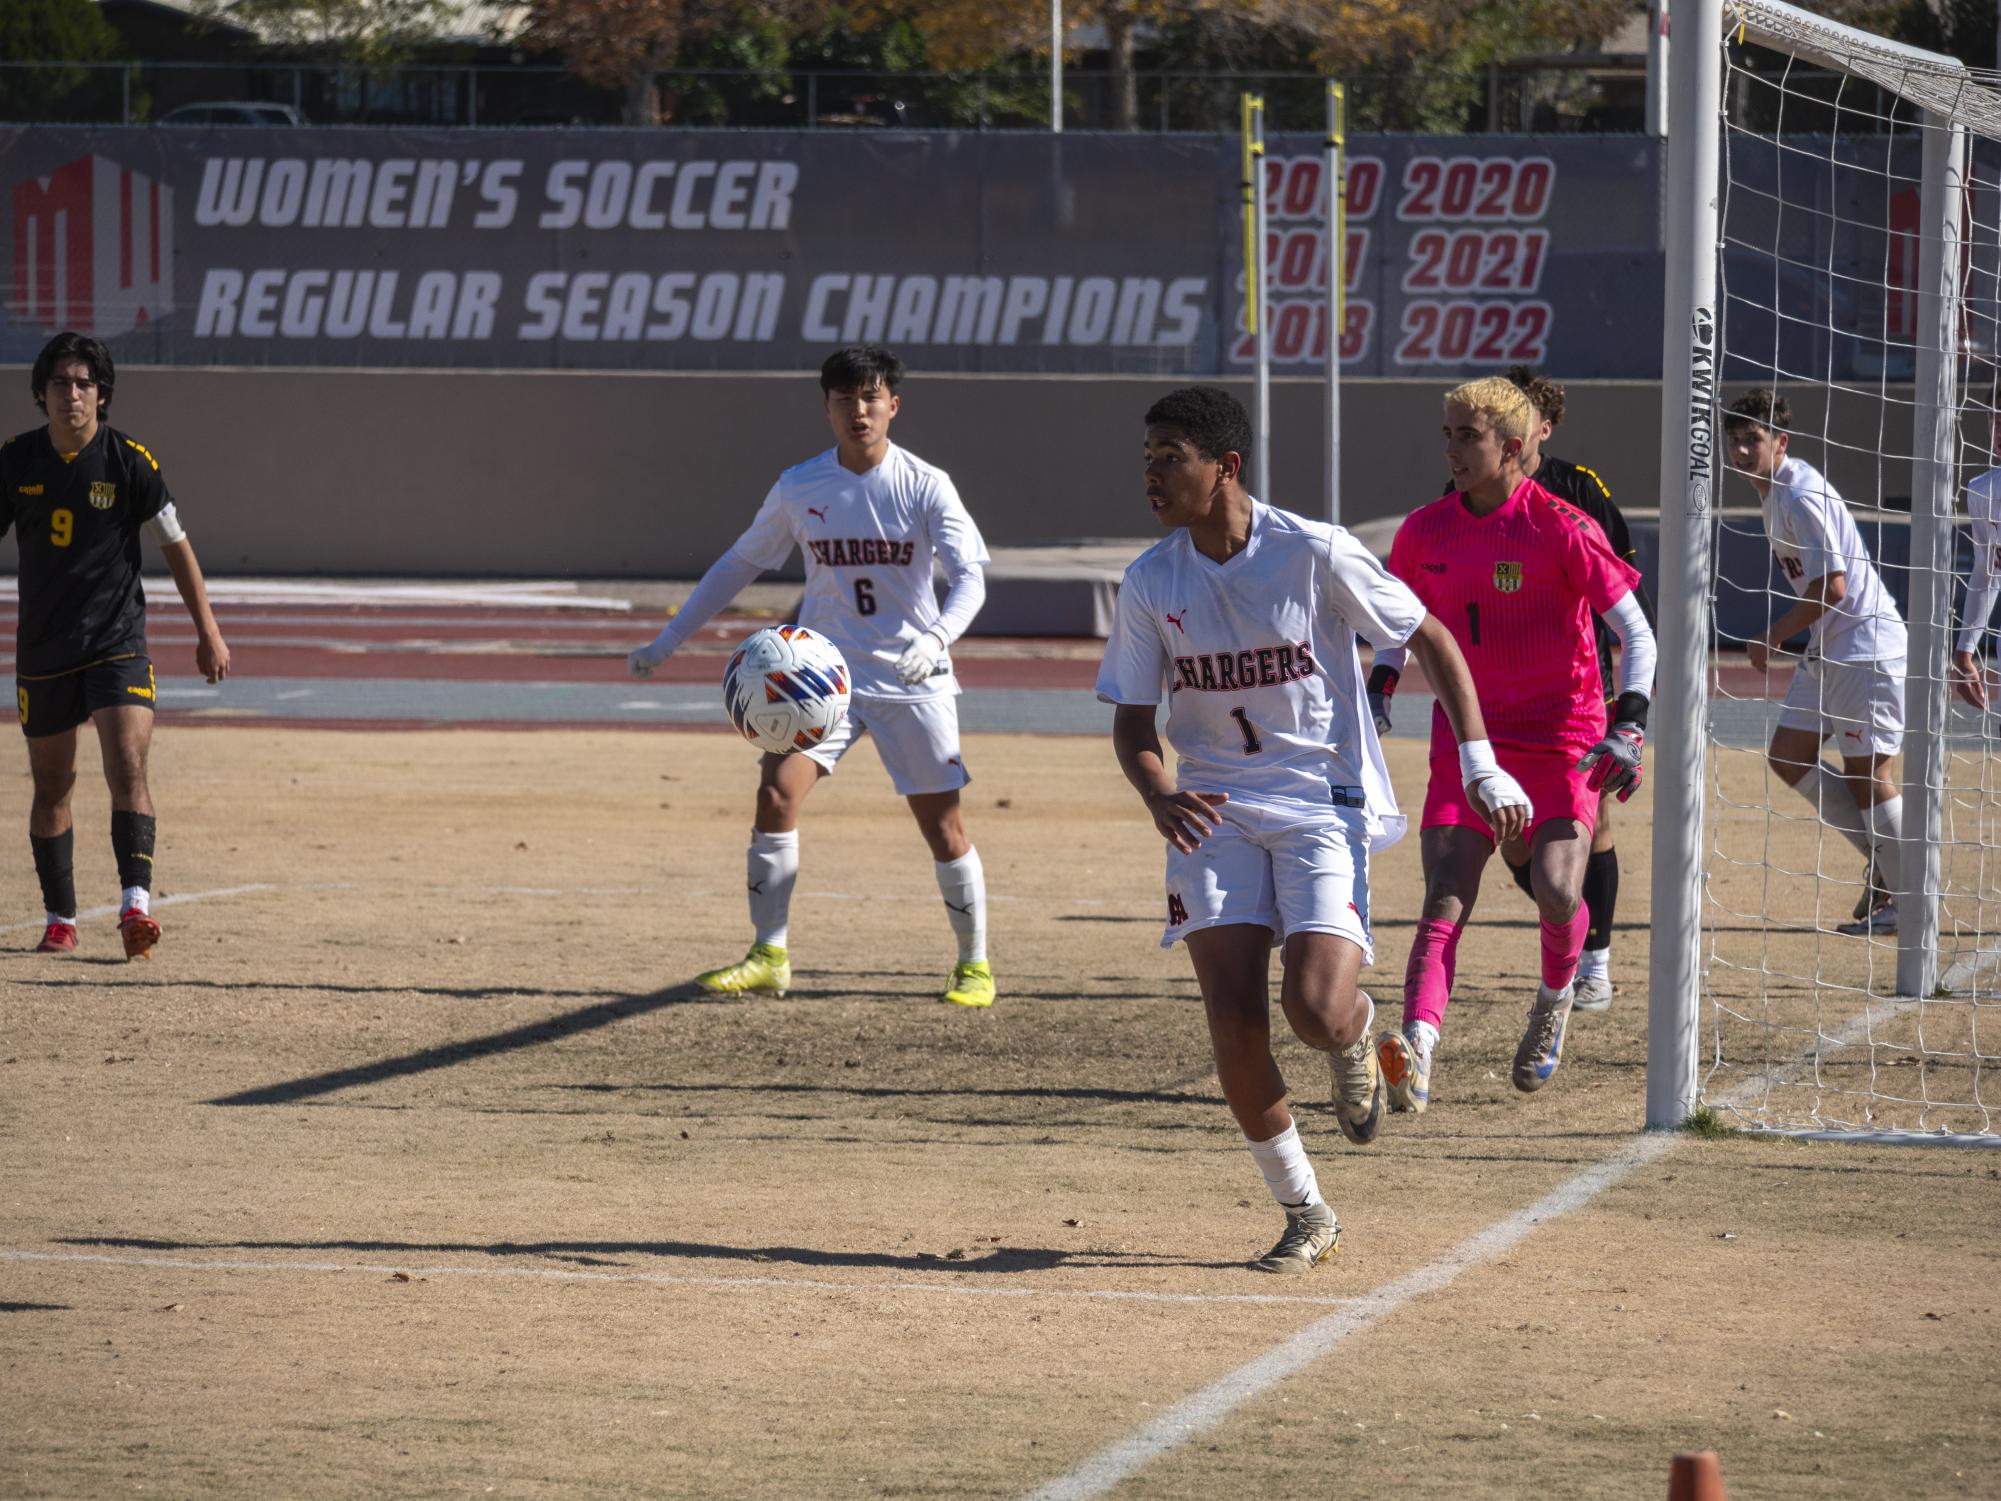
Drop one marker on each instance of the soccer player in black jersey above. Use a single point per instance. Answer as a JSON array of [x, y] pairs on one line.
[[1584, 489], [80, 492]]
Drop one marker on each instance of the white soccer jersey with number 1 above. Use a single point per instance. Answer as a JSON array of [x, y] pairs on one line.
[[869, 540], [1258, 661], [1812, 535]]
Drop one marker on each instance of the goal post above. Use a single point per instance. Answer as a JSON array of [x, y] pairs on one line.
[[1822, 239]]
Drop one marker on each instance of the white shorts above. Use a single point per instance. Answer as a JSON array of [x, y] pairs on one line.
[[1299, 871], [1858, 705], [918, 740]]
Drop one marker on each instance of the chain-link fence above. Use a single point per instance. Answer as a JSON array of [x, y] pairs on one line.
[[1607, 97]]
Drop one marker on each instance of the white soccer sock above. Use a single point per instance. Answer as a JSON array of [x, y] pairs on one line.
[[1886, 819], [770, 870], [1595, 962], [1828, 792], [1288, 1174], [49, 917], [963, 884], [135, 899]]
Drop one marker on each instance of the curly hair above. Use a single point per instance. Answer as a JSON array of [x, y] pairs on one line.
[[1545, 393], [1214, 420], [1764, 408]]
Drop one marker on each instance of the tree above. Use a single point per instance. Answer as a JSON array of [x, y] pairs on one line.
[[52, 31], [978, 33], [622, 44], [363, 31]]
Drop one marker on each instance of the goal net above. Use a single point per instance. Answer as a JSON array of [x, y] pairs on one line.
[[1844, 257]]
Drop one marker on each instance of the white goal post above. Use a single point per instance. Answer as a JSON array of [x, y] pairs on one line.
[[1787, 179]]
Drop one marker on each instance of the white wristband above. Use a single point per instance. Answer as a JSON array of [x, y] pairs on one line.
[[1476, 759]]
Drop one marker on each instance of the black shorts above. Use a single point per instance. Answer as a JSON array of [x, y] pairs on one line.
[[63, 700]]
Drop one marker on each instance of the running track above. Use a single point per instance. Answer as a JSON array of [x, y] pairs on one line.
[[515, 656]]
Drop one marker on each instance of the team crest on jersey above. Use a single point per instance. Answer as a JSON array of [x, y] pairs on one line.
[[1507, 577], [103, 494]]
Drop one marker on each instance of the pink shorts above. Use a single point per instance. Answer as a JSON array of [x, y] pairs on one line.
[[1555, 786]]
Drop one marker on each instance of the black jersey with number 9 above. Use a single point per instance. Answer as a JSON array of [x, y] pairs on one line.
[[78, 521]]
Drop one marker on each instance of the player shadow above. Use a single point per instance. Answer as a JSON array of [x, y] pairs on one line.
[[450, 1054], [998, 1260], [608, 1252], [34, 1308]]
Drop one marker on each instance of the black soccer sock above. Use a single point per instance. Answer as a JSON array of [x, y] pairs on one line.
[[1521, 875], [1601, 896], [132, 843], [55, 866]]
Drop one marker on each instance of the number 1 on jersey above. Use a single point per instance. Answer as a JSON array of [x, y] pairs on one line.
[[1252, 745], [1473, 621]]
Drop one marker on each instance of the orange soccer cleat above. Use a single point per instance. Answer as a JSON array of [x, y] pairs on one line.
[[58, 938], [140, 933]]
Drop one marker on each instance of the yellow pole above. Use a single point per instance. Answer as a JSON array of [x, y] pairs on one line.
[[1337, 261], [1253, 258]]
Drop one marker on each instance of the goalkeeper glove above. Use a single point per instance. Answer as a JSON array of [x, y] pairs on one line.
[[920, 658], [1614, 762], [1382, 684]]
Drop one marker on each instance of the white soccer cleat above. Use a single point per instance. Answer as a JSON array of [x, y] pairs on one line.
[[1542, 1043], [1881, 923], [1312, 1234], [1594, 993]]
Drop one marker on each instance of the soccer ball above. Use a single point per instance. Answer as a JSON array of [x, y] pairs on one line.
[[786, 688]]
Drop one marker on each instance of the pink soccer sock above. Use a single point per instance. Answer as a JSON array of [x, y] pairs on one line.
[[1561, 944], [1427, 978]]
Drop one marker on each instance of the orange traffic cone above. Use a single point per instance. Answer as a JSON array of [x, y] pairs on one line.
[[1696, 1477]]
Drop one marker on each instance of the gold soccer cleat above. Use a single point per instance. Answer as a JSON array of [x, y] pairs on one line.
[[972, 985], [765, 970]]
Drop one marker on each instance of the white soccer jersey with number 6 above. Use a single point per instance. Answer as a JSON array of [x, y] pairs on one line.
[[1257, 659], [869, 541]]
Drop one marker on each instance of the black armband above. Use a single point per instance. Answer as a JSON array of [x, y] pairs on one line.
[[1383, 679], [1631, 708]]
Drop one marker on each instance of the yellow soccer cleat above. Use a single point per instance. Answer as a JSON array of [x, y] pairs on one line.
[[765, 970], [972, 985]]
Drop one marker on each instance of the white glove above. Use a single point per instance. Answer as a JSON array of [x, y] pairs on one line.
[[641, 661], [920, 657]]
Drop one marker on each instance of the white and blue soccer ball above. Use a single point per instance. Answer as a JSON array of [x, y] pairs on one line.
[[786, 688]]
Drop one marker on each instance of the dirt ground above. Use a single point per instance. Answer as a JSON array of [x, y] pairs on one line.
[[412, 1166]]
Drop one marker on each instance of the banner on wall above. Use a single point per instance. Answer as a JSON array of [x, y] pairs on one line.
[[760, 251]]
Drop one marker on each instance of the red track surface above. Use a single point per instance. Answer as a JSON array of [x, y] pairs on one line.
[[473, 644], [518, 645]]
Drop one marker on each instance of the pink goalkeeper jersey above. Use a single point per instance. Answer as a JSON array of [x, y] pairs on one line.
[[1517, 588]]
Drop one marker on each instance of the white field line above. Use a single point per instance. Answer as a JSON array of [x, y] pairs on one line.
[[91, 914], [1196, 1414], [665, 1279], [1201, 1411]]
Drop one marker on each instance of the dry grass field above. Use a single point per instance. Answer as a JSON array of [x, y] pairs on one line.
[[412, 1166]]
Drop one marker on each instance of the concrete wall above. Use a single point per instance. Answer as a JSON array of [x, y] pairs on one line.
[[456, 473]]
